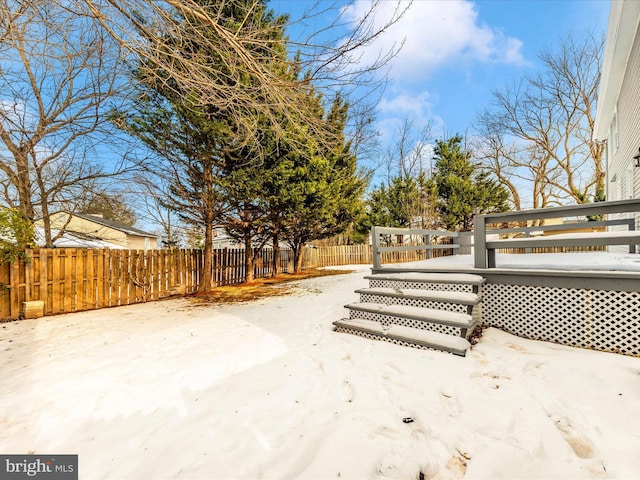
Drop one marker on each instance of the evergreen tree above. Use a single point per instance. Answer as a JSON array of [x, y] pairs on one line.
[[325, 187], [405, 202], [384, 205], [213, 178], [186, 140], [463, 189], [251, 170]]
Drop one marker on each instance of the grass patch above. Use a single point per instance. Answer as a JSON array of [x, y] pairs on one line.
[[261, 287]]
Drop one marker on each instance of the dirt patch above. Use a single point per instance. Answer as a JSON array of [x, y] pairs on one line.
[[260, 287]]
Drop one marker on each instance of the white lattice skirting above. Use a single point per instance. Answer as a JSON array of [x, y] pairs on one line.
[[405, 322], [450, 287], [415, 302], [601, 320]]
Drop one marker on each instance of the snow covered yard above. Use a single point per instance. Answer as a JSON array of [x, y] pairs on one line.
[[266, 389]]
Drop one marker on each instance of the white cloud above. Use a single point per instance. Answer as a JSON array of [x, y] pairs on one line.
[[512, 53], [437, 33], [395, 109], [407, 104]]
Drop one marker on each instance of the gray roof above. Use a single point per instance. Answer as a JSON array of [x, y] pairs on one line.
[[115, 225]]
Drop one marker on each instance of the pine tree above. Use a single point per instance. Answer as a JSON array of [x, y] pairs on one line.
[[463, 190], [405, 202], [213, 177], [325, 187]]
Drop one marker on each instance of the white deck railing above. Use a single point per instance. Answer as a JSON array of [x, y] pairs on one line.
[[485, 249], [412, 239]]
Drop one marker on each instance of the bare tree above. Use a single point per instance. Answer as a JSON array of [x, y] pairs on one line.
[[411, 154], [408, 164], [151, 191], [540, 130], [213, 62], [331, 57], [58, 73], [522, 168]]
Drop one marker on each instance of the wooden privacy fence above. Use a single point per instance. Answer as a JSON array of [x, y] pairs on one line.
[[72, 280], [229, 269], [75, 279], [363, 254]]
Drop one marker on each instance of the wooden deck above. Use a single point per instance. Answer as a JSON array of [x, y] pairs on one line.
[[595, 270]]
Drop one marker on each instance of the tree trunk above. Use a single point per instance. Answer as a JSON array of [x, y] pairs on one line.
[[206, 277], [300, 257], [276, 267], [24, 186], [46, 219], [249, 259], [297, 257], [46, 226]]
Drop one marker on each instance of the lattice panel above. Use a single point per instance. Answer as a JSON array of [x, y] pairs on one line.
[[386, 320], [371, 336], [550, 314], [451, 287], [600, 320], [414, 302], [615, 324]]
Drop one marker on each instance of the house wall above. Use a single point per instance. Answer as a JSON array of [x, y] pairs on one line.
[[130, 241], [83, 226], [138, 242], [621, 110], [623, 176]]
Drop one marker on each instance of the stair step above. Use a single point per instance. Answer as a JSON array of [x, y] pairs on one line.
[[406, 335], [462, 298], [458, 278], [454, 319]]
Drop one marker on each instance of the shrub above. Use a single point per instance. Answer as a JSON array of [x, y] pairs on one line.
[[16, 234]]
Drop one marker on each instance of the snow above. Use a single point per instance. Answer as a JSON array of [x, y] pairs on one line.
[[410, 311], [453, 343], [579, 261], [466, 298], [267, 389], [431, 277]]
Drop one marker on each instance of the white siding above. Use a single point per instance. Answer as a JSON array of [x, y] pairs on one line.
[[629, 112], [621, 165], [623, 176]]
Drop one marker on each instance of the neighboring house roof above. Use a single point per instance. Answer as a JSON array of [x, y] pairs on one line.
[[115, 225], [624, 20], [74, 240]]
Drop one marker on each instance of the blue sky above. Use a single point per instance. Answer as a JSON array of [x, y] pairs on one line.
[[457, 51]]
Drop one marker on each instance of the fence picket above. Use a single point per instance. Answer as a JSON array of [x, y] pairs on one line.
[[80, 279]]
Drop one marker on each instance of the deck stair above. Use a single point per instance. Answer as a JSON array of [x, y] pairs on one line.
[[422, 310]]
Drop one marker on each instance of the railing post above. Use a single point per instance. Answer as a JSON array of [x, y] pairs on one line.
[[375, 242], [479, 241], [427, 239], [632, 227]]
